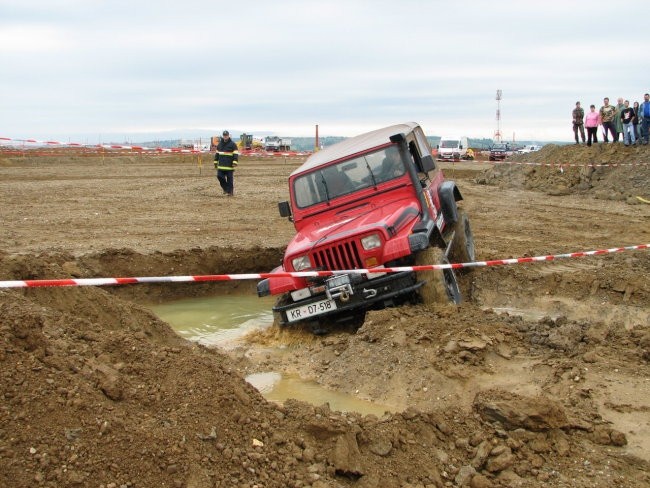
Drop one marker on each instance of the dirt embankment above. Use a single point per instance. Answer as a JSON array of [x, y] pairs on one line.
[[605, 171], [539, 379]]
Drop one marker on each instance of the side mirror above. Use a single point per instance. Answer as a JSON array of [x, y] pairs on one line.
[[428, 164], [437, 146], [285, 209]]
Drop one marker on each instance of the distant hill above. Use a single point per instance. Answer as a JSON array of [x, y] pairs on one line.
[[307, 143]]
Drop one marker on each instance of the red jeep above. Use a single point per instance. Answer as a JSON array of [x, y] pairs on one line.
[[375, 200]]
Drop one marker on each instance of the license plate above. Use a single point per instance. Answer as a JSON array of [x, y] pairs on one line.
[[306, 311]]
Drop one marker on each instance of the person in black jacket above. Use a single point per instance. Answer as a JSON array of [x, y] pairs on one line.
[[225, 161], [627, 118]]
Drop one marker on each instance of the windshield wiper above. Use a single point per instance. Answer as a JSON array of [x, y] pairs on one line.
[[372, 175], [322, 179]]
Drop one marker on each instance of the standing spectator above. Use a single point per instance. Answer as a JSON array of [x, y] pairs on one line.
[[644, 119], [225, 160], [592, 121], [578, 122], [607, 115], [627, 114], [635, 120], [617, 121]]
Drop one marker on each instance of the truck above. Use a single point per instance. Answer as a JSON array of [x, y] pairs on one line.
[[276, 144], [193, 145], [452, 148], [377, 200]]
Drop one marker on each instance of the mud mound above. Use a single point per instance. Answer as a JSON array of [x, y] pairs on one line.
[[96, 391], [440, 362], [127, 262], [606, 171], [99, 392]]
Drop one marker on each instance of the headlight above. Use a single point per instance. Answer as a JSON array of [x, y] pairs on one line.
[[371, 242], [301, 263]]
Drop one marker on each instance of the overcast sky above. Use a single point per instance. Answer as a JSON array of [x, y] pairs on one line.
[[88, 70]]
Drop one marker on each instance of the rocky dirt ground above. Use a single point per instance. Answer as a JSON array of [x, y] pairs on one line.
[[540, 378]]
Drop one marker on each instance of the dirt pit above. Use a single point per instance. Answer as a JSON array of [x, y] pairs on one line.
[[540, 378]]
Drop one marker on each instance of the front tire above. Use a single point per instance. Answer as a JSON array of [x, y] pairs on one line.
[[440, 285], [280, 302]]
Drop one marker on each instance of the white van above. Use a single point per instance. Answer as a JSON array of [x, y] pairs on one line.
[[452, 148]]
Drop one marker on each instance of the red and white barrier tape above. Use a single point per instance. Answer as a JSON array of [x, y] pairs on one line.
[[246, 152], [103, 146], [559, 165], [302, 274], [147, 149], [568, 165]]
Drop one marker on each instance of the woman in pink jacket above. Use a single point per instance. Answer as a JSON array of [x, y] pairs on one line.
[[592, 121]]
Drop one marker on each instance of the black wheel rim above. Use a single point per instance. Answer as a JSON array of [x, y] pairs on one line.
[[469, 241], [451, 286]]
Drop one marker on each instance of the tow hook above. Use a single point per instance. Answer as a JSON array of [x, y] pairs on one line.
[[369, 293]]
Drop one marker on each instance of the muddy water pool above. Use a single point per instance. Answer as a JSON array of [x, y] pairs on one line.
[[216, 321], [221, 320]]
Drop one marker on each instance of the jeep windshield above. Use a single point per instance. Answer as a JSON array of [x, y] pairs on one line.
[[499, 147], [328, 182]]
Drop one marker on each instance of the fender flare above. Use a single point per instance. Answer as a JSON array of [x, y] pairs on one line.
[[449, 194]]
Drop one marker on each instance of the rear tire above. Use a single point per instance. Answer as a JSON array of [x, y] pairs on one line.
[[440, 285], [462, 247]]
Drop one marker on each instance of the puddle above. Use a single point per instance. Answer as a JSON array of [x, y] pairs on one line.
[[221, 320], [216, 321], [535, 309], [278, 388], [532, 315]]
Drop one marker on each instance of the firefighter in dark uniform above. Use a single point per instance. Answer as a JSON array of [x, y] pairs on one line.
[[225, 161]]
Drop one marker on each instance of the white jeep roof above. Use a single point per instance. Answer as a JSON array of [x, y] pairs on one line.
[[354, 145]]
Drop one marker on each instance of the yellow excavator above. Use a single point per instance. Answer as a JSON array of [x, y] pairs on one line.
[[247, 142]]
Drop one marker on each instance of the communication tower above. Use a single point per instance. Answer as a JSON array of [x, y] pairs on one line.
[[497, 133]]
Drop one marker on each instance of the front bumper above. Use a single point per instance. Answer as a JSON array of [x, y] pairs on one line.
[[365, 295], [449, 156]]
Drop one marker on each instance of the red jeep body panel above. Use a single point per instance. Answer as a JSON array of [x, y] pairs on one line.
[[358, 205]]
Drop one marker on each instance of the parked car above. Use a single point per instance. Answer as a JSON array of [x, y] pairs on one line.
[[500, 151], [529, 148]]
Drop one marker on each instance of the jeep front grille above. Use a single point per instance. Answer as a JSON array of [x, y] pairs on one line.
[[341, 256]]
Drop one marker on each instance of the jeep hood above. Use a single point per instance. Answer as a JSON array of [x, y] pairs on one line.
[[389, 219]]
